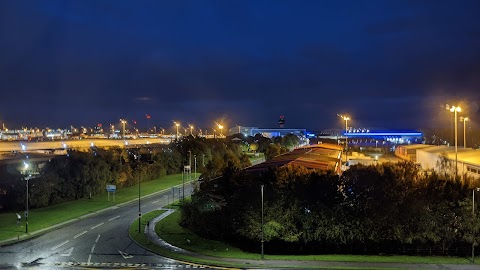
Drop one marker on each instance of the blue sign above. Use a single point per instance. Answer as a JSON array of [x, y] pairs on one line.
[[111, 188]]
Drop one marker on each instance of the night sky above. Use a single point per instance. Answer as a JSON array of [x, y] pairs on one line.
[[386, 64]]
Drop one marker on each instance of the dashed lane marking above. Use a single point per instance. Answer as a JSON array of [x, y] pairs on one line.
[[96, 226], [59, 245], [113, 218], [80, 234], [155, 201], [131, 265]]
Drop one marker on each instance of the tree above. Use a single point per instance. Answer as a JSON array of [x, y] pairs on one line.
[[290, 141]]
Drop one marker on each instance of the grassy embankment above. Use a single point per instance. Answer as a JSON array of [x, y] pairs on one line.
[[49, 216], [255, 160], [169, 230]]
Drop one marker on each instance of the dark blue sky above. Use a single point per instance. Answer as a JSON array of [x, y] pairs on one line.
[[389, 64]]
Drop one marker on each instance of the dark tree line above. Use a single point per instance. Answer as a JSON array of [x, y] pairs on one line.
[[388, 208], [86, 174]]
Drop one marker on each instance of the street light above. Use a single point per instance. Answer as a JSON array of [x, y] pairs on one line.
[[191, 129], [261, 189], [195, 158], [190, 164], [27, 178], [473, 229], [346, 118], [123, 122], [177, 125], [139, 210], [221, 128], [464, 119], [455, 109]]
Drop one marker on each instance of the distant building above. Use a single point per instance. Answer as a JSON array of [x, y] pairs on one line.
[[267, 132], [392, 136], [369, 138], [429, 157]]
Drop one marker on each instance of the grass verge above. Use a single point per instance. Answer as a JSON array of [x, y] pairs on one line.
[[169, 230], [42, 218], [142, 240]]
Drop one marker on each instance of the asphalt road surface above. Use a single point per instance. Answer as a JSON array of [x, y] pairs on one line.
[[100, 241]]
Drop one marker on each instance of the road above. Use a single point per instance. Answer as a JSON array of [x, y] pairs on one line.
[[100, 241]]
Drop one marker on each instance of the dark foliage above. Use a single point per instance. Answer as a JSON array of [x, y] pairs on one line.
[[388, 208]]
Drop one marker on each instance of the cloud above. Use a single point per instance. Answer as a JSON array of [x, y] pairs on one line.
[[143, 100]]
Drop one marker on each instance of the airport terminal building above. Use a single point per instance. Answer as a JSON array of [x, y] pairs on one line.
[[267, 132]]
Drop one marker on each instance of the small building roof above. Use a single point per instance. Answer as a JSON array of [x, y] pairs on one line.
[[416, 146], [319, 157]]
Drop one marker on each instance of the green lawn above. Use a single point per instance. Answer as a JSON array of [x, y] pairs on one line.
[[45, 217], [142, 240], [169, 230], [253, 159]]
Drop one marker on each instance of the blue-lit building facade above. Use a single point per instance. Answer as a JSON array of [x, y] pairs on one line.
[[388, 136], [372, 138], [267, 132]]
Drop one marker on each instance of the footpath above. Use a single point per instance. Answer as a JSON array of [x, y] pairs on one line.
[[268, 264]]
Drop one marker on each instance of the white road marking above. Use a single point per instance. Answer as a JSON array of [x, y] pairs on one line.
[[155, 201], [113, 218], [98, 225], [80, 234], [59, 245], [91, 250], [125, 255], [67, 253]]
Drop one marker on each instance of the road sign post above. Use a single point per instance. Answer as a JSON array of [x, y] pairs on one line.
[[112, 189]]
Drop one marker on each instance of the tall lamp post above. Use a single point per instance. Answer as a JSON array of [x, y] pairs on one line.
[[191, 129], [177, 125], [345, 118], [455, 109], [473, 229], [139, 209], [183, 184], [190, 164], [221, 130], [27, 178], [464, 120], [261, 189], [123, 123]]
